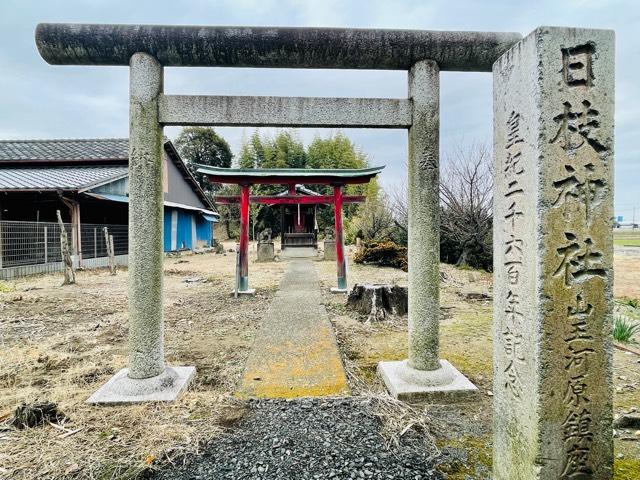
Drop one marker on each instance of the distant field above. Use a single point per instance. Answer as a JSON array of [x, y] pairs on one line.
[[626, 237]]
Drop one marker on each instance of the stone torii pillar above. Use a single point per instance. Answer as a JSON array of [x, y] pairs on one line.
[[147, 378], [424, 375]]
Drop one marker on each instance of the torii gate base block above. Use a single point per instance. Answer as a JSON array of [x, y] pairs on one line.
[[250, 292]]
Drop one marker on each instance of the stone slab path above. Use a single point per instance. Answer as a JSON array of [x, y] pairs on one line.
[[295, 353]]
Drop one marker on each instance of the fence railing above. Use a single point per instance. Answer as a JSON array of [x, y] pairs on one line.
[[33, 243], [93, 241]]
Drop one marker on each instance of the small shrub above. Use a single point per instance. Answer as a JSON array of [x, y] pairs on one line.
[[383, 254], [219, 248], [624, 330], [5, 287]]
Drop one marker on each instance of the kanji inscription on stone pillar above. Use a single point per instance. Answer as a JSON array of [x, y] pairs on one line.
[[553, 207]]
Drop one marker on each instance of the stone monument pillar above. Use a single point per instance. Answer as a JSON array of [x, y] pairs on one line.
[[553, 211], [146, 379], [266, 250], [424, 375], [329, 244]]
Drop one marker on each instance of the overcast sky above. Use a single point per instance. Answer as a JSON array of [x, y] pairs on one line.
[[42, 101]]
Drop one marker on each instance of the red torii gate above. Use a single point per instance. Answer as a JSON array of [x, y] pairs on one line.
[[289, 177]]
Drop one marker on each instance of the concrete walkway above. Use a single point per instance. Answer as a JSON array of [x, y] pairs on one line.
[[295, 352]]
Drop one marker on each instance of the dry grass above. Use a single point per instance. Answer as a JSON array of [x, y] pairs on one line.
[[466, 341], [60, 344]]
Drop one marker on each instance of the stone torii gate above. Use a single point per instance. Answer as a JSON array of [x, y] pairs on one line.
[[553, 208], [289, 177]]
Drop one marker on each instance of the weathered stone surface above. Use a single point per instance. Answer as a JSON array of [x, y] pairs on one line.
[[146, 321], [285, 111], [266, 252], [553, 126], [424, 217], [443, 384], [166, 387], [299, 252], [329, 249], [424, 375], [200, 46]]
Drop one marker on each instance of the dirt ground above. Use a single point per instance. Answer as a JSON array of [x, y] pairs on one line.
[[61, 343], [466, 341]]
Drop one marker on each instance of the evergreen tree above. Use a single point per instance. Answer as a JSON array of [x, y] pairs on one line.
[[285, 150], [203, 146], [247, 157]]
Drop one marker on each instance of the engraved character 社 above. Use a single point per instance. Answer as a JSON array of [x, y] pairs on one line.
[[580, 261]]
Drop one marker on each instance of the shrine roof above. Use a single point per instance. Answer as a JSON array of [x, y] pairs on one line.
[[289, 175]]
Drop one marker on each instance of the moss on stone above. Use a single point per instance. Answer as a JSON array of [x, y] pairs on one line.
[[478, 453], [626, 469]]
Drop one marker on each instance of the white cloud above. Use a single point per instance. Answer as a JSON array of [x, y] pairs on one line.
[[38, 100]]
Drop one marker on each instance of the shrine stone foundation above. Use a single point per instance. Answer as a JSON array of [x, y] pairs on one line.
[[266, 252], [553, 127]]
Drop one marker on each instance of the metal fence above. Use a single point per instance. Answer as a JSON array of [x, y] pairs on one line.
[[34, 243], [93, 240]]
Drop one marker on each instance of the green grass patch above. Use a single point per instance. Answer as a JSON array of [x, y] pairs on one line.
[[627, 242], [624, 329]]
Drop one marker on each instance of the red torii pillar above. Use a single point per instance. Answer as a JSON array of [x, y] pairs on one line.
[[340, 260], [243, 281]]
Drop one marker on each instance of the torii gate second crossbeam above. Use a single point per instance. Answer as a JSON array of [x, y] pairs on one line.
[[290, 177]]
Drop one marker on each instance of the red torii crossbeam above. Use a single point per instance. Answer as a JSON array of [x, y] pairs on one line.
[[288, 199], [289, 178]]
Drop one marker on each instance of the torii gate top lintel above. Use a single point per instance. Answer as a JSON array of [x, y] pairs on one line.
[[272, 47]]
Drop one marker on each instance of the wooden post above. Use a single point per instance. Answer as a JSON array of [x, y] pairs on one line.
[[112, 256], [340, 260], [78, 234], [244, 238], [108, 241], [69, 274]]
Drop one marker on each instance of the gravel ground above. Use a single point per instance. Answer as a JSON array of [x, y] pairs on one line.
[[307, 439]]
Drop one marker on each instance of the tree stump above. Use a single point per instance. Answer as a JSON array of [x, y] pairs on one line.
[[378, 301]]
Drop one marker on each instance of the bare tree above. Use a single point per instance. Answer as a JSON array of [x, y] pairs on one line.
[[466, 194], [400, 212], [375, 220]]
